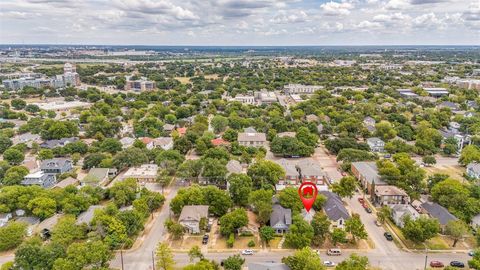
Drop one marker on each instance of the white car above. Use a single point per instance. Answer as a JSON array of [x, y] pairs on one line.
[[247, 252], [329, 263]]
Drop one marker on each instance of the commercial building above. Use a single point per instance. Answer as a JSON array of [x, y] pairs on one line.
[[367, 173], [301, 89], [62, 106], [144, 173], [139, 85]]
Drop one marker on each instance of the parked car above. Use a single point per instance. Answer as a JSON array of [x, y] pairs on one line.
[[334, 252], [361, 200], [471, 253], [388, 236], [329, 263], [205, 239], [343, 174], [436, 264], [247, 252], [368, 210], [378, 223], [457, 264]]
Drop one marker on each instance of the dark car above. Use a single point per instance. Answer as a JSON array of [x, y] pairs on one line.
[[205, 239], [457, 264], [388, 236], [436, 264], [368, 210]]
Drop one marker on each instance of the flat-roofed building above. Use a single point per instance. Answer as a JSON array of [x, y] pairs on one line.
[[301, 89], [143, 174]]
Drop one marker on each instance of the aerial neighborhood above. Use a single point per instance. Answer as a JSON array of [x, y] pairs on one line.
[[197, 164]]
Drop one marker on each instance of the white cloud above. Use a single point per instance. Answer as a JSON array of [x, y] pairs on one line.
[[335, 8], [290, 16]]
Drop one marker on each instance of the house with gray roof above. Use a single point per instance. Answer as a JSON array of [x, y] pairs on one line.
[[234, 166], [280, 218], [434, 210], [252, 139], [27, 138], [87, 216], [367, 173], [126, 142], [334, 209], [40, 178], [31, 222], [401, 211], [56, 165], [191, 215], [476, 223], [267, 266], [473, 170], [376, 144], [4, 218], [98, 176], [50, 144]]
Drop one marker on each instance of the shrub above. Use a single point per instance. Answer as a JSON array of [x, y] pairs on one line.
[[251, 243], [230, 241]]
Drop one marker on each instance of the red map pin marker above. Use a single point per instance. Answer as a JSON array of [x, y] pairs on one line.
[[308, 193]]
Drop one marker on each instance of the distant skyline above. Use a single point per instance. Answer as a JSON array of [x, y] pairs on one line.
[[240, 22]]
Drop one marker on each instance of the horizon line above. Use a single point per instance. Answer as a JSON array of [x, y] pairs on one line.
[[190, 45]]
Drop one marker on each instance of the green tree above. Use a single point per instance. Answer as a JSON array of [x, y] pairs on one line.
[[44, 154], [474, 263], [11, 235], [384, 214], [265, 173], [469, 154], [429, 160], [130, 157], [232, 221], [300, 233], [219, 123], [234, 262], [304, 259], [18, 104], [261, 201], [66, 231], [356, 228], [345, 187], [338, 236], [321, 227], [385, 130], [13, 156], [195, 252], [267, 233], [111, 145], [456, 229], [164, 257], [354, 262], [289, 198], [14, 175], [240, 188], [421, 229], [5, 143], [42, 207]]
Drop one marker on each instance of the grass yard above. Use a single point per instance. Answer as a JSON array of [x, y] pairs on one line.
[[187, 242], [274, 242], [183, 80], [455, 172]]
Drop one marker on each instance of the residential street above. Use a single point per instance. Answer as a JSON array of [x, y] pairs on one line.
[[141, 257]]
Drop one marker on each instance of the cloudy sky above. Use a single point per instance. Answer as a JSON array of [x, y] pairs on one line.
[[240, 22]]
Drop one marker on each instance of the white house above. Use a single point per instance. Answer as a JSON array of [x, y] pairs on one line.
[[376, 144], [191, 216], [401, 211]]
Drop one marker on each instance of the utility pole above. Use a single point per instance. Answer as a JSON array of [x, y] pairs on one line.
[[121, 257], [153, 260], [426, 257]]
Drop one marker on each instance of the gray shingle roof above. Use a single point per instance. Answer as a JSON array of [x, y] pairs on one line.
[[54, 163], [193, 212], [333, 207], [369, 170], [280, 215], [439, 212]]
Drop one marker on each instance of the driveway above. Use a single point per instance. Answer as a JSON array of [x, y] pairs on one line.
[[328, 163]]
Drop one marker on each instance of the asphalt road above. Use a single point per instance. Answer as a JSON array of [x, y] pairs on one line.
[[141, 257]]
